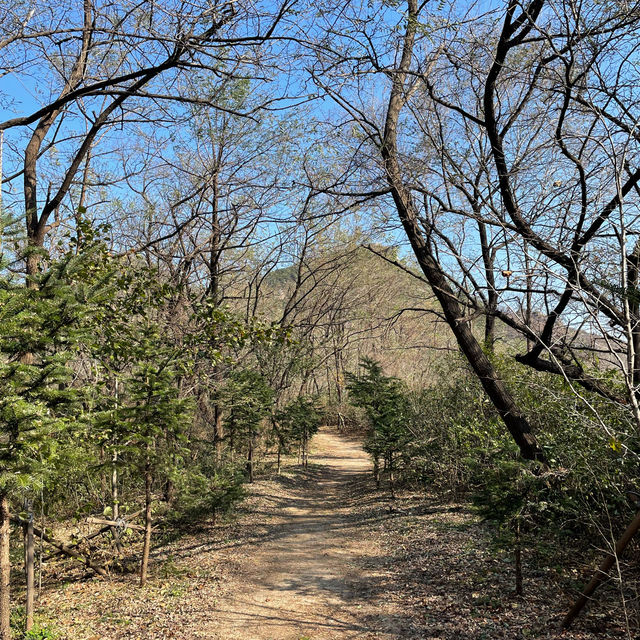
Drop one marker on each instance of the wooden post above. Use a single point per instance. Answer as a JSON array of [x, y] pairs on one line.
[[602, 572], [28, 563]]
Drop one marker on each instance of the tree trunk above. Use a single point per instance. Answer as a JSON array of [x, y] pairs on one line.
[[29, 564], [602, 572], [488, 258], [147, 524], [376, 470], [392, 487], [5, 569], [305, 449], [518, 557], [250, 459], [169, 491], [218, 429], [494, 387], [213, 291], [115, 500], [633, 278], [339, 363], [528, 303]]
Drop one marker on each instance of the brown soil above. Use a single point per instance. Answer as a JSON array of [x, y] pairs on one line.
[[319, 555], [314, 574], [300, 562]]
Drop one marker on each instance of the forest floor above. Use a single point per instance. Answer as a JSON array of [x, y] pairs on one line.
[[319, 555]]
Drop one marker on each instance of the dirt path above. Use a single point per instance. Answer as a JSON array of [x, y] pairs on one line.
[[315, 571], [304, 560], [317, 555]]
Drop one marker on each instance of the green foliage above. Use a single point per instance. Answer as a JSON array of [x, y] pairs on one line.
[[218, 334], [41, 630], [460, 446], [247, 398], [40, 326], [154, 408], [38, 632], [385, 402], [455, 435], [208, 488], [297, 422]]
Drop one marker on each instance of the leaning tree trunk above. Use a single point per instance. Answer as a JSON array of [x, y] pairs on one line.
[[494, 387], [602, 572]]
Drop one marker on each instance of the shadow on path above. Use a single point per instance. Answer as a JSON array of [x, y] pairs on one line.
[[309, 567]]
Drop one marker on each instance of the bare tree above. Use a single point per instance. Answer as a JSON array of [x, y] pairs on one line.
[[109, 66], [399, 63], [95, 68]]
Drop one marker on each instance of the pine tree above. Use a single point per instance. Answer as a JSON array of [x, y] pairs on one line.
[[140, 417], [297, 423], [41, 322], [248, 399], [386, 406]]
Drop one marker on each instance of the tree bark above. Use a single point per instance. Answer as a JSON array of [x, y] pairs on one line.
[[494, 387], [5, 569], [218, 425], [392, 485], [488, 258], [376, 470], [213, 291], [304, 449], [518, 557], [115, 499], [148, 478], [250, 458], [29, 565], [633, 277]]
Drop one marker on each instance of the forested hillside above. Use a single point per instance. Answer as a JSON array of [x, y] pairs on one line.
[[319, 321]]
